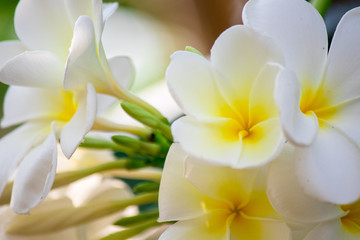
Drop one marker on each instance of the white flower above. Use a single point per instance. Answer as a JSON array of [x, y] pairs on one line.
[[231, 117], [31, 149], [34, 67], [48, 30], [318, 94], [213, 202], [309, 218]]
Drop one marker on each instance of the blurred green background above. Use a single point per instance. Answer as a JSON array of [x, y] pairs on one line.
[[7, 32]]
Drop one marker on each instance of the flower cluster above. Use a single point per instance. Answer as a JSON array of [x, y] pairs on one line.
[[271, 99], [267, 148]]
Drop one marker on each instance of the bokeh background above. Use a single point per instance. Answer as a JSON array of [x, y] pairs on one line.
[[150, 30]]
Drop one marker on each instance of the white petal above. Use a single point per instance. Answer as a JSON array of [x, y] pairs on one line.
[[109, 9], [91, 9], [238, 55], [80, 124], [346, 118], [178, 199], [33, 69], [105, 102], [216, 141], [331, 230], [262, 103], [288, 197], [262, 145], [83, 64], [330, 168], [15, 145], [299, 128], [35, 176], [342, 79], [44, 25], [123, 71], [24, 103], [186, 75], [199, 228], [299, 31], [10, 49], [229, 185]]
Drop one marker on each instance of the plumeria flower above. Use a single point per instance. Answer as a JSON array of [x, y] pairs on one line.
[[34, 67], [309, 218], [65, 34], [318, 94], [231, 205], [31, 149], [231, 117]]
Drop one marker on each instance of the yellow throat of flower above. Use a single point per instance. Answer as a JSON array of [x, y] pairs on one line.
[[351, 221]]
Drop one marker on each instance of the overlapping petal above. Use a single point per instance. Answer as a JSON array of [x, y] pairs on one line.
[[186, 75], [34, 103], [345, 117], [80, 124], [95, 9], [299, 31], [122, 70], [262, 145], [331, 230], [12, 151], [44, 25], [288, 197], [35, 176], [217, 141], [33, 69], [83, 63], [238, 55], [327, 173], [10, 49], [262, 105], [342, 76], [178, 199], [299, 128], [198, 228], [201, 175]]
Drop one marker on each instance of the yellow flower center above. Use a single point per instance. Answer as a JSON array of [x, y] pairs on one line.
[[317, 102], [244, 121], [69, 106], [351, 221]]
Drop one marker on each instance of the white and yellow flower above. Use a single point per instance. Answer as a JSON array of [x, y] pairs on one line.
[[34, 68], [231, 117], [318, 94], [309, 218], [213, 202]]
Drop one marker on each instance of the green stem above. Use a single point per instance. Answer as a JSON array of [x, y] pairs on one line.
[[66, 178], [102, 124], [147, 118], [137, 219], [97, 143], [321, 5], [133, 231], [145, 105]]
